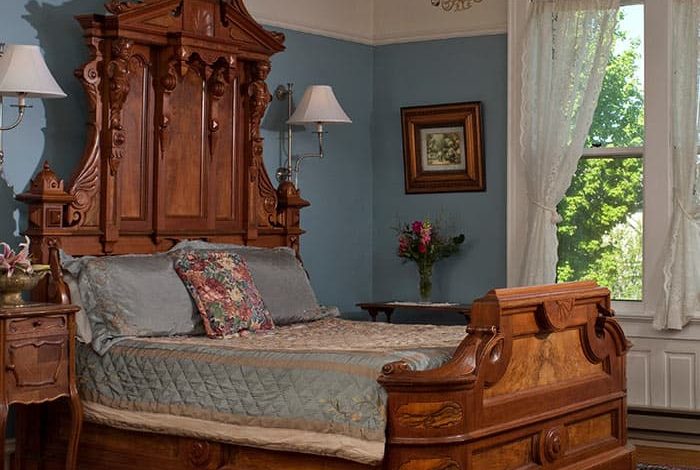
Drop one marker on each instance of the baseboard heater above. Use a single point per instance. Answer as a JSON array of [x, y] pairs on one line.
[[681, 427]]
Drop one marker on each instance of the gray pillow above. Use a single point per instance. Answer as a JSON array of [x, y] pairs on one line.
[[82, 323], [280, 279], [131, 296]]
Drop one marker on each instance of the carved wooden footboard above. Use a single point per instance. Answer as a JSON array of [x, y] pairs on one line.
[[539, 382]]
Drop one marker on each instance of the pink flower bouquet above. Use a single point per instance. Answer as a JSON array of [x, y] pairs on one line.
[[422, 242], [11, 261]]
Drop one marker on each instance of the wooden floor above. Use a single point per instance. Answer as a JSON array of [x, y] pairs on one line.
[[668, 456]]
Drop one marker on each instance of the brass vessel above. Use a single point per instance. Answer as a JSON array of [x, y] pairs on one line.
[[11, 287]]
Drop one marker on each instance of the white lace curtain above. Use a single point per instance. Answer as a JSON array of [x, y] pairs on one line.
[[681, 296], [567, 48]]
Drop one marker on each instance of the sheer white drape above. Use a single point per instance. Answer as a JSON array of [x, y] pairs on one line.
[[681, 296], [568, 45]]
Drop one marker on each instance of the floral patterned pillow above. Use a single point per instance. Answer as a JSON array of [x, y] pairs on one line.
[[223, 289]]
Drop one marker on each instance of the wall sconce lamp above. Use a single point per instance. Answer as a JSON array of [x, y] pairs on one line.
[[24, 74], [318, 106]]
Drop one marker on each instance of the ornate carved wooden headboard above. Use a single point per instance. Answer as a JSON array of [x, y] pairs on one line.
[[176, 92]]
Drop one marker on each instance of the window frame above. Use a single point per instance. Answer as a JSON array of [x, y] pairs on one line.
[[657, 152]]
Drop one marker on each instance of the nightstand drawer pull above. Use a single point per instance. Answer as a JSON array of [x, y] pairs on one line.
[[10, 367], [37, 323]]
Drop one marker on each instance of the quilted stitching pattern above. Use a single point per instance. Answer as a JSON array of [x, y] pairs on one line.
[[324, 391]]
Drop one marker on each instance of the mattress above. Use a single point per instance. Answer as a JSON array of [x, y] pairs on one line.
[[304, 388]]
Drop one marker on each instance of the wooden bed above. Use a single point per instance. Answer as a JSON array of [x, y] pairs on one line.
[[176, 93]]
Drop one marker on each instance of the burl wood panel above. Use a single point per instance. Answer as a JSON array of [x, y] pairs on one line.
[[510, 456], [590, 431], [538, 362]]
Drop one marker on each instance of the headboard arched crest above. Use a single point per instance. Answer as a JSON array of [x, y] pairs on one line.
[[176, 94]]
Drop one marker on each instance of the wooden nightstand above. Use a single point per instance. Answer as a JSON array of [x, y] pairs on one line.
[[38, 363]]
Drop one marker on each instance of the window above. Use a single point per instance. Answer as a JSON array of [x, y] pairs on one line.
[[601, 234], [611, 157]]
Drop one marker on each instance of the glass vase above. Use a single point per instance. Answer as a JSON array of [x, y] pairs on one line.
[[425, 286]]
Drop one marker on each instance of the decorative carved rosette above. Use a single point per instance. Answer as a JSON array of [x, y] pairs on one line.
[[555, 315], [551, 445], [200, 453]]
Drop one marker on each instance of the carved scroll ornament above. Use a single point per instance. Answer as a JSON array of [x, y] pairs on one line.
[[85, 185], [118, 72]]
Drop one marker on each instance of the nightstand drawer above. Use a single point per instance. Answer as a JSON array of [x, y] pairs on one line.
[[37, 326], [36, 368]]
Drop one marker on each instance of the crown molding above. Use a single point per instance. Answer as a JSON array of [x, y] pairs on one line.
[[305, 28], [398, 38], [381, 22]]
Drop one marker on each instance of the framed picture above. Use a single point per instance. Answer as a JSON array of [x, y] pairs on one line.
[[443, 148]]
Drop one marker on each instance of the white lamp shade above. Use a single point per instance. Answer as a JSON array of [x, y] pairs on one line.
[[319, 105], [24, 71]]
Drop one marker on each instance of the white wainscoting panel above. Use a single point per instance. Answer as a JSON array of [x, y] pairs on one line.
[[680, 380], [638, 378], [663, 368]]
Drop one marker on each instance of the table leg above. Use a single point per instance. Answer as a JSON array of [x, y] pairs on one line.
[[3, 424], [388, 313], [373, 313], [76, 414]]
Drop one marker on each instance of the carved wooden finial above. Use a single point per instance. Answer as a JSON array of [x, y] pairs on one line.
[[46, 199], [46, 182]]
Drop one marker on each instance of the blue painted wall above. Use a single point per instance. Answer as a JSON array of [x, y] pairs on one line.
[[337, 247], [425, 73]]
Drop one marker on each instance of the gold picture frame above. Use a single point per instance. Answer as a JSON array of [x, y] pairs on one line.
[[443, 148]]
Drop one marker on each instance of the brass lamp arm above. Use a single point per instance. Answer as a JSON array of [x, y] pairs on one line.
[[319, 155], [18, 121], [20, 116]]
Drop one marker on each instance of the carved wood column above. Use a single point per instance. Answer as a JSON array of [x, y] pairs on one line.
[[262, 197], [115, 137], [290, 204]]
